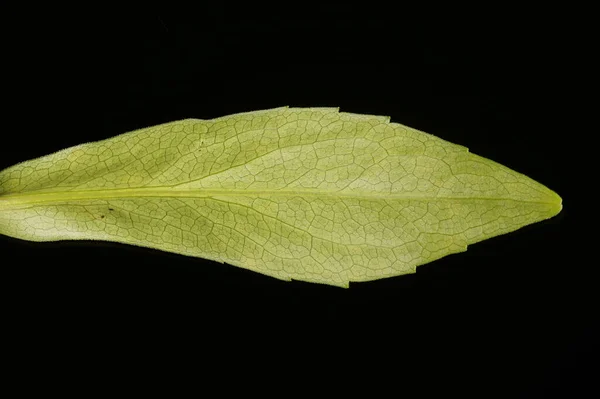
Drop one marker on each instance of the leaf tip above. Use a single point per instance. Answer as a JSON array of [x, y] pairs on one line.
[[558, 205], [555, 204]]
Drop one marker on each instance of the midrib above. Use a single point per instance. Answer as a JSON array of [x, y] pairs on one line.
[[30, 198]]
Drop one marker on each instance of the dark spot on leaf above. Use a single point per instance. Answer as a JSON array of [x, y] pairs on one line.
[[110, 209], [101, 216]]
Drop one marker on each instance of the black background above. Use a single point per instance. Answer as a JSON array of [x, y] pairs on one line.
[[512, 315]]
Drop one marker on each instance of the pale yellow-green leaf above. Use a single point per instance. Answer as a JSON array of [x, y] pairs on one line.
[[311, 194]]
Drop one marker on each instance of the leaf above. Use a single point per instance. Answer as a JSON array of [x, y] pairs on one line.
[[310, 194]]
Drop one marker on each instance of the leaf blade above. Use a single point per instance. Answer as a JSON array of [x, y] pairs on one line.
[[360, 197]]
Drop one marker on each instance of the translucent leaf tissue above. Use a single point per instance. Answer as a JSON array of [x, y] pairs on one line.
[[310, 194]]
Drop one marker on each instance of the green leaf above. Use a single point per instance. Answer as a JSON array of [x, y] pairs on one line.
[[309, 194]]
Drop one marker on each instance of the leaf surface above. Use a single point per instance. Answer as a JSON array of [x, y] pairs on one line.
[[310, 194]]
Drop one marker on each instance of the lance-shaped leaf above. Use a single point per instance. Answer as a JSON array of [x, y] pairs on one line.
[[311, 194]]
